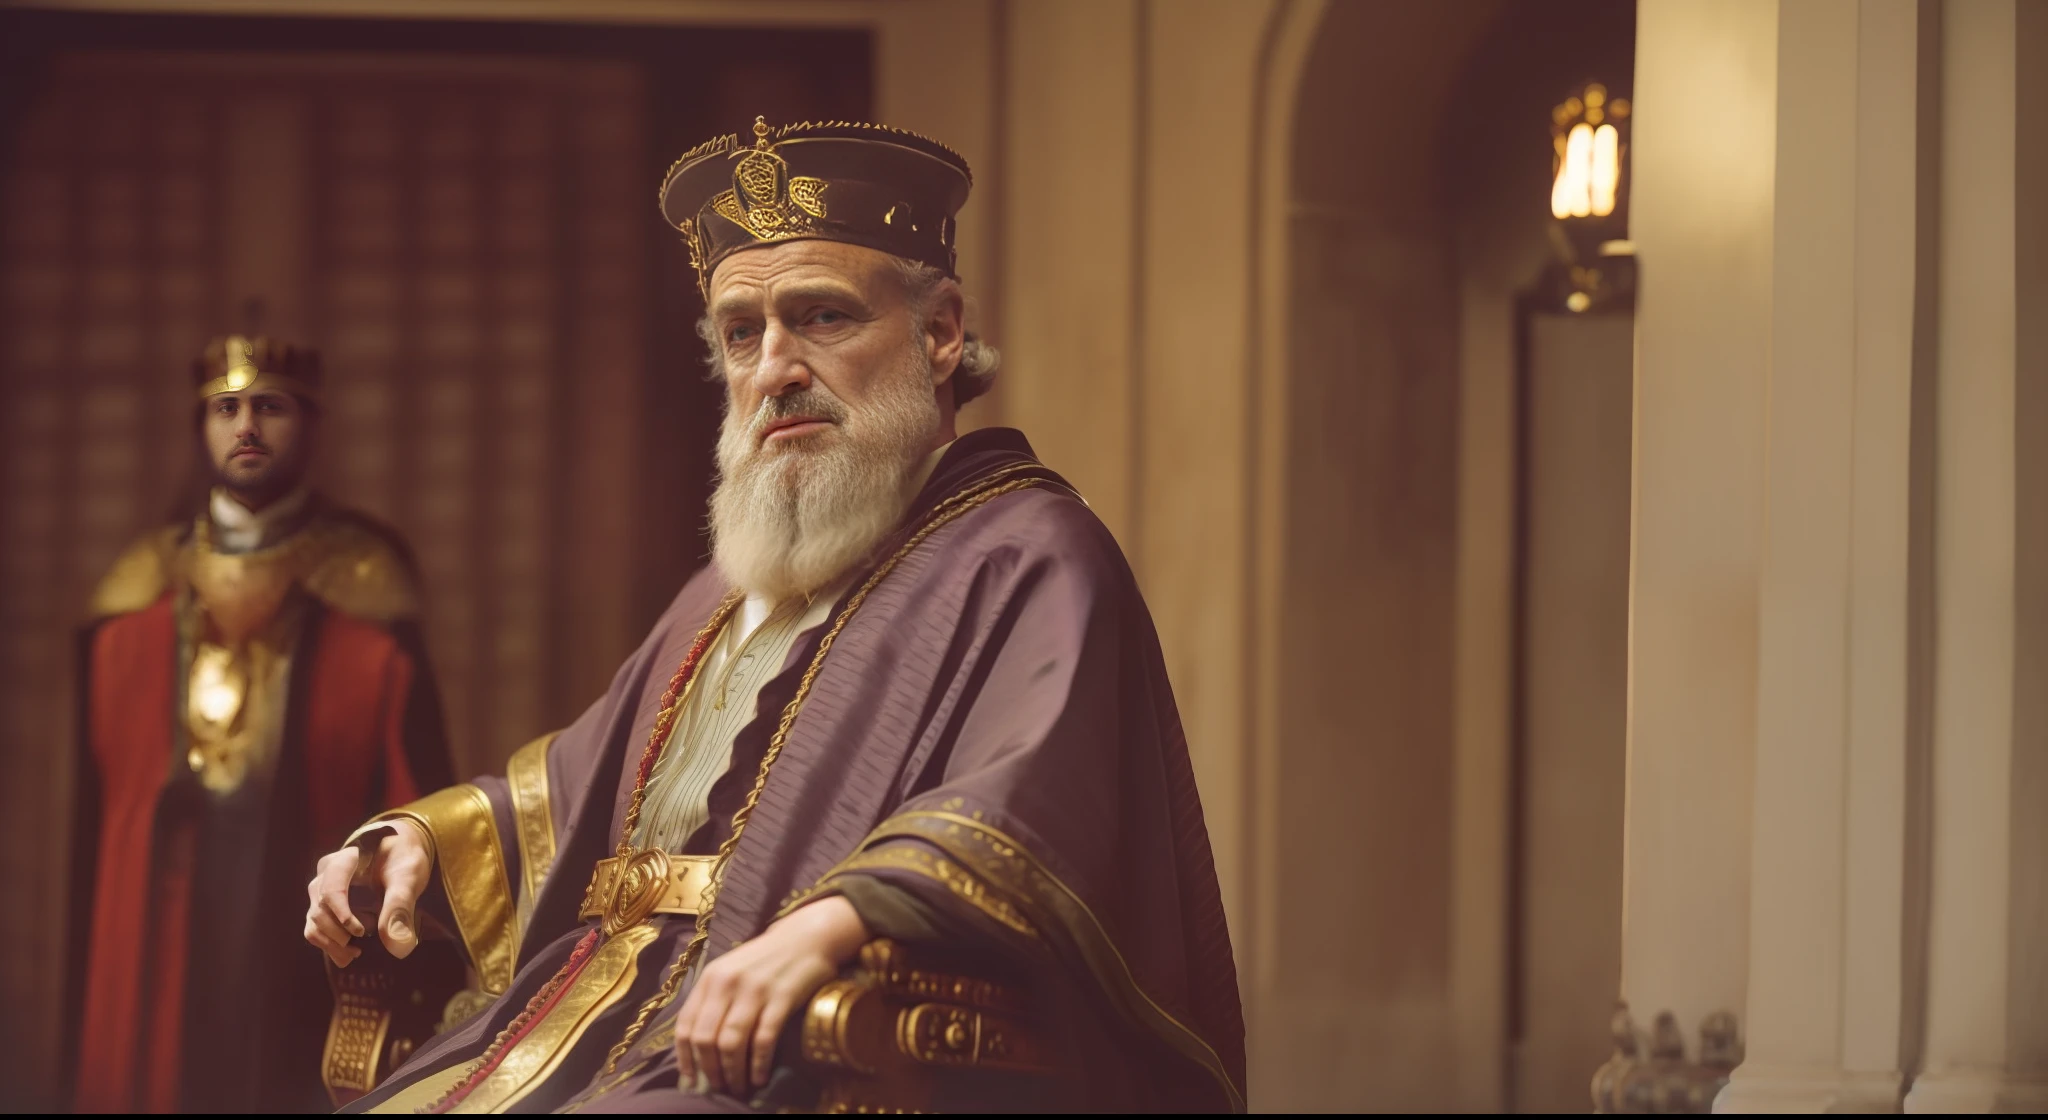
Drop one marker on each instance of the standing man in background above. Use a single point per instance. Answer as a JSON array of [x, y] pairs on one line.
[[253, 684]]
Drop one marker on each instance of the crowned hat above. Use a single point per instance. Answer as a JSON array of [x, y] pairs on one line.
[[235, 363], [864, 184]]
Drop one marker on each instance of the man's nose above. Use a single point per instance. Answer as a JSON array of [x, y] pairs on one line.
[[782, 369]]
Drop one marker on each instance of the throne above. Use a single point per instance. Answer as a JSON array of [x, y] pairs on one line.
[[385, 1008], [902, 1029]]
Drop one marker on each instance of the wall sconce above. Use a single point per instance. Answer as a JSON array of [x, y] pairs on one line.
[[1589, 200]]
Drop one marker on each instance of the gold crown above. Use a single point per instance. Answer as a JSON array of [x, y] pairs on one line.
[[235, 363], [863, 184]]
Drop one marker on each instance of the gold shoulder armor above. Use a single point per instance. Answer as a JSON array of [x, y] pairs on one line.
[[355, 570], [139, 576]]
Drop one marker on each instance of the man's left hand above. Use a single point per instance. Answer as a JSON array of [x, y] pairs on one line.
[[728, 1026]]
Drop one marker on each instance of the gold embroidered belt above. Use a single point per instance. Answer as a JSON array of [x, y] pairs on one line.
[[627, 890]]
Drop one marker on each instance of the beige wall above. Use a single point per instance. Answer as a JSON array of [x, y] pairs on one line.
[[1574, 689], [1482, 712], [1101, 190], [1365, 762]]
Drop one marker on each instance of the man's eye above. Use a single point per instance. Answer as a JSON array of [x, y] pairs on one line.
[[823, 317], [739, 334]]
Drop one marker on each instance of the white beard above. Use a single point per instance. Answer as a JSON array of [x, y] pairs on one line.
[[789, 518]]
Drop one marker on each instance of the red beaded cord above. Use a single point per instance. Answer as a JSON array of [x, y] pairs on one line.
[[665, 721], [535, 1010]]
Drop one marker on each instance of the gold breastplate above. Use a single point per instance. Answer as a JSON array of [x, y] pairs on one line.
[[241, 592], [244, 616]]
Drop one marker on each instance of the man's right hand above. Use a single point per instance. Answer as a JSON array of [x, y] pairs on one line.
[[399, 867]]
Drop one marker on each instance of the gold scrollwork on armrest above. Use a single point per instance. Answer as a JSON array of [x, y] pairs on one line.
[[945, 1035], [384, 1008], [356, 1032], [830, 1037], [882, 1036]]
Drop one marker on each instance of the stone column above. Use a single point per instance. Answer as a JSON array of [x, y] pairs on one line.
[[1703, 154], [1827, 906], [1987, 1000], [1888, 717]]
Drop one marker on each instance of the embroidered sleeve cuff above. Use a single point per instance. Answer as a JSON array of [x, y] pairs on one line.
[[462, 834], [895, 913], [999, 876], [917, 862]]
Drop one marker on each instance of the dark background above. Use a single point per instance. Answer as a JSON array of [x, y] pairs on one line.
[[114, 186]]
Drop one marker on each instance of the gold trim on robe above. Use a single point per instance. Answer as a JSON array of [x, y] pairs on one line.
[[424, 1090], [963, 884], [527, 775], [1009, 880], [534, 1058], [463, 833]]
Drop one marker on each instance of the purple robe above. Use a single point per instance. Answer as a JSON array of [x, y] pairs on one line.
[[998, 701]]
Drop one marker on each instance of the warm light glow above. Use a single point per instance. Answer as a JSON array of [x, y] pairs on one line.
[[214, 694], [1606, 176], [1570, 196], [1588, 174]]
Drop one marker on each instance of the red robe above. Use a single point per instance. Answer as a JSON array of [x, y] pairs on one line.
[[361, 733]]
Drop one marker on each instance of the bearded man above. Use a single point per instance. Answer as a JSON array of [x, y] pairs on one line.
[[253, 685], [915, 696]]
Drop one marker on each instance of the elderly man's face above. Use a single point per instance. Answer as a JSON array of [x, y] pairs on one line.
[[833, 379], [817, 327]]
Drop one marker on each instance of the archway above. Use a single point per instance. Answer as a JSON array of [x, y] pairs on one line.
[[1388, 968]]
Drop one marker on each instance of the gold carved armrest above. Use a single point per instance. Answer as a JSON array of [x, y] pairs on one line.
[[384, 1009], [905, 1032]]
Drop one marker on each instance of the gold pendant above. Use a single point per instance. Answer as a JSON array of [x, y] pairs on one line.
[[216, 703], [220, 682]]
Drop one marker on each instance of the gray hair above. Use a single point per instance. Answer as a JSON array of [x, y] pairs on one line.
[[979, 361], [925, 286]]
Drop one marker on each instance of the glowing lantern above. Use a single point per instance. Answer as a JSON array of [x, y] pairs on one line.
[[1589, 189]]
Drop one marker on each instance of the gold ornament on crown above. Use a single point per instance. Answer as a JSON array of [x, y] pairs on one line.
[[243, 369], [765, 200], [696, 244], [241, 373]]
